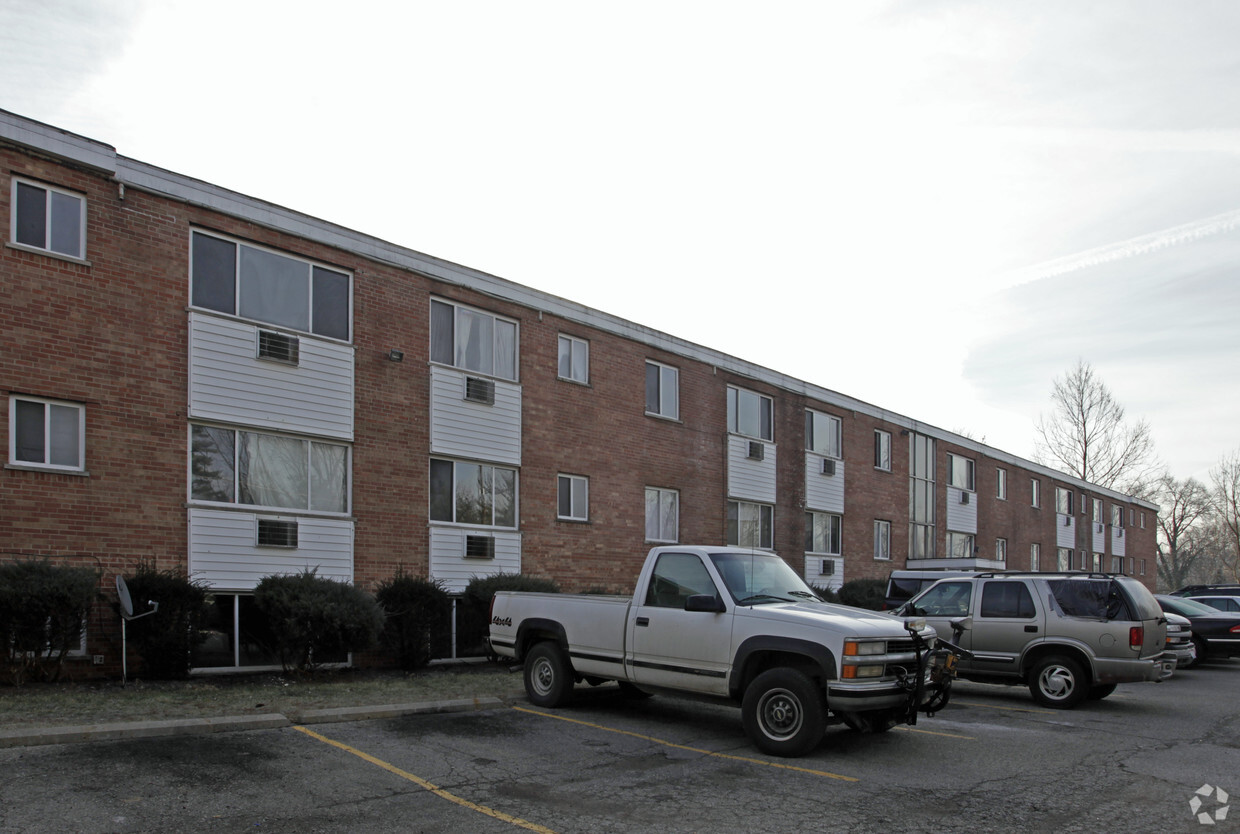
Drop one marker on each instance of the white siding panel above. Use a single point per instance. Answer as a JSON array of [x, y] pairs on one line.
[[750, 480], [1099, 536], [223, 553], [815, 576], [450, 566], [824, 493], [227, 382], [1117, 541], [961, 518], [460, 428], [1065, 531]]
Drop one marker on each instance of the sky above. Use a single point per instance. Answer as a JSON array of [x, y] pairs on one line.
[[936, 207]]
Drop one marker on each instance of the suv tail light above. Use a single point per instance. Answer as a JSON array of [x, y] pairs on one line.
[[1136, 637]]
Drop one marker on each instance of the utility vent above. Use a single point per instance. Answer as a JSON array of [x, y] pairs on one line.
[[479, 547], [757, 450], [964, 497], [828, 467], [479, 390], [279, 347], [275, 533], [828, 567]]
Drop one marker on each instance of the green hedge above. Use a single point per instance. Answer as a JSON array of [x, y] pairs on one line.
[[474, 607], [166, 639], [864, 593], [43, 610], [315, 620], [418, 625]]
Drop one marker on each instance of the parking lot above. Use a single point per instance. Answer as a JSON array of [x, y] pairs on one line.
[[991, 761]]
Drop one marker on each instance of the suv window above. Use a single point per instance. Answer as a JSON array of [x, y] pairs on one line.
[[1006, 599], [946, 599]]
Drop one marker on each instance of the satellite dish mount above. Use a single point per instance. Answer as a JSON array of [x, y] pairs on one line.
[[127, 614]]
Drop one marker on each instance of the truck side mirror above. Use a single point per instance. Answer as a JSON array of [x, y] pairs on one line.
[[704, 602]]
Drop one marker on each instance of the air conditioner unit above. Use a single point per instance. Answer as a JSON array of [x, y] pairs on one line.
[[479, 547], [274, 532], [828, 568], [1067, 521], [1099, 528], [757, 450], [964, 497], [279, 347], [1119, 532], [828, 466], [480, 390]]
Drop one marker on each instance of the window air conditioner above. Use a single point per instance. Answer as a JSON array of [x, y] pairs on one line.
[[479, 390], [828, 466], [964, 497], [757, 450], [828, 567], [274, 532], [1119, 533], [1067, 521], [279, 347], [479, 547]]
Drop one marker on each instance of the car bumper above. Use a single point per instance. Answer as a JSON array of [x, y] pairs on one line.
[[1107, 670], [1183, 655], [881, 695]]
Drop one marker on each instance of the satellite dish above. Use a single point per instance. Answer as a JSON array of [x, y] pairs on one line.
[[122, 593]]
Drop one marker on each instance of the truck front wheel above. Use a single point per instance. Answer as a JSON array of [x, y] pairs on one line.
[[548, 677], [784, 713]]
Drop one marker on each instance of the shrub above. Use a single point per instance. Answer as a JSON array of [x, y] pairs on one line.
[[474, 608], [43, 610], [827, 594], [418, 624], [165, 640], [864, 593], [314, 619]]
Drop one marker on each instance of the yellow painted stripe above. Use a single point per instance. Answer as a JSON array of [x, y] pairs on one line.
[[422, 783], [934, 733], [690, 749], [1008, 709]]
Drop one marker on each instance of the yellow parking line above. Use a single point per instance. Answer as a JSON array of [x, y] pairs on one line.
[[935, 733], [422, 783], [1009, 709], [690, 749]]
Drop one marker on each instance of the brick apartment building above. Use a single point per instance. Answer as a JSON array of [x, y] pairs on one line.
[[201, 380]]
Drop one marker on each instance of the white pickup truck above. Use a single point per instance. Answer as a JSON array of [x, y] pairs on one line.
[[735, 624]]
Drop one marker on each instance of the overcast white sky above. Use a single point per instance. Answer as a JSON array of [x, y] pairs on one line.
[[937, 207]]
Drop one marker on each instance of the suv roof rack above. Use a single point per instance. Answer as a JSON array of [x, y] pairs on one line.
[[1193, 589], [1077, 574]]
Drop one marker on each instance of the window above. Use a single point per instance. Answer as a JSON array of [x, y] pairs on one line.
[[230, 466], [473, 493], [961, 472], [822, 434], [1000, 550], [1097, 515], [574, 359], [1001, 484], [1063, 559], [1117, 564], [1117, 515], [675, 578], [243, 280], [822, 533], [945, 599], [960, 546], [1006, 600], [751, 525], [473, 340], [47, 433], [48, 218], [921, 497], [1143, 567], [1063, 501], [750, 414], [1035, 490], [574, 498], [882, 540], [1035, 557], [882, 450], [1142, 519], [662, 515], [662, 390]]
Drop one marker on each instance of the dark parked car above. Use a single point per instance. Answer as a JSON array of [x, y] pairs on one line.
[[1215, 633]]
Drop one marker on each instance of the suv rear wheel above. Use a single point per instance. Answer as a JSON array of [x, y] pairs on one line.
[[1058, 682]]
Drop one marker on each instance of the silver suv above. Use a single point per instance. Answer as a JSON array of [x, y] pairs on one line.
[[1067, 636]]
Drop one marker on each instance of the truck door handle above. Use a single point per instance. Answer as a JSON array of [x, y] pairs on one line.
[[643, 621], [1031, 629]]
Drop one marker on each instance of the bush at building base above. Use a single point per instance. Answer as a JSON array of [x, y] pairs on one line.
[[473, 611], [166, 639], [314, 620], [418, 625], [43, 609], [864, 593]]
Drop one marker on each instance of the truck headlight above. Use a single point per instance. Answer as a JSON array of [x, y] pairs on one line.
[[858, 648]]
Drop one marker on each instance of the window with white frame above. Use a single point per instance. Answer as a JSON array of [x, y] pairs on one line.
[[573, 498], [662, 515], [480, 494], [1000, 550], [1142, 519], [1001, 484], [750, 414], [960, 546], [1117, 515], [574, 361], [1035, 493], [48, 434], [823, 434], [1063, 558], [662, 390], [960, 470], [48, 218], [751, 525], [1097, 514], [1117, 564], [822, 533], [1063, 501], [882, 540], [473, 340], [232, 466], [882, 450], [241, 279], [1035, 557]]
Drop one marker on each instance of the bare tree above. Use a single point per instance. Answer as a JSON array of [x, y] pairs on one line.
[[1225, 497], [1087, 436], [1180, 548]]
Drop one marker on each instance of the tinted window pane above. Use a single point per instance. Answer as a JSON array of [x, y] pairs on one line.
[[31, 443], [66, 235], [473, 494], [441, 490], [275, 289], [442, 340], [505, 498], [652, 388], [31, 215], [212, 476], [565, 498], [331, 304], [66, 450], [214, 274]]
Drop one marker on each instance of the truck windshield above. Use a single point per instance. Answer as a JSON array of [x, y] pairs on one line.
[[758, 578]]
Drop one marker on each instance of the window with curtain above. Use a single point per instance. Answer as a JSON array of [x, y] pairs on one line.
[[232, 466], [473, 340]]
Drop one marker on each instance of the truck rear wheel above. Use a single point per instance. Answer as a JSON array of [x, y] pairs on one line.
[[548, 677], [1058, 682], [784, 713]]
